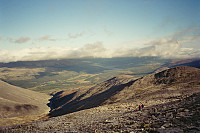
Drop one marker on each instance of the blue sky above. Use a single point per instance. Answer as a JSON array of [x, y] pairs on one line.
[[110, 23]]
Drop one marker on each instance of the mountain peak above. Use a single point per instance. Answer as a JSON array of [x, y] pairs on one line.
[[177, 74]]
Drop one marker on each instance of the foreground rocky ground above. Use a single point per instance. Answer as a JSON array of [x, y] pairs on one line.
[[181, 115]]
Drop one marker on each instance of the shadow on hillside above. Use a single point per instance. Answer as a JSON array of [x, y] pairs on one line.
[[56, 101], [195, 63], [77, 104]]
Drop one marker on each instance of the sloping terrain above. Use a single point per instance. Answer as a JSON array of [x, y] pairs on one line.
[[171, 101], [19, 102], [159, 88], [178, 116], [187, 62], [63, 103]]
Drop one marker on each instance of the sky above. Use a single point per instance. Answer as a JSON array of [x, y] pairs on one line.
[[57, 29]]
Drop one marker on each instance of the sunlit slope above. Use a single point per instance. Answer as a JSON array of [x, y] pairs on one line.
[[16, 101]]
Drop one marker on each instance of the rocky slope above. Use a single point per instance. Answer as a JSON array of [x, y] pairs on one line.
[[178, 116], [171, 99], [160, 87]]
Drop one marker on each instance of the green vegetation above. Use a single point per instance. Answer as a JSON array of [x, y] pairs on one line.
[[54, 75]]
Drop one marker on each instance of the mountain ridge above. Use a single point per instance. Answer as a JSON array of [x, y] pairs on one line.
[[129, 89]]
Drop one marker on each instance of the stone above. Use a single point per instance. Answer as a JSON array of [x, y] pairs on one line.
[[162, 127], [114, 122], [180, 109], [173, 130], [166, 125], [147, 125], [169, 115], [153, 117], [183, 114], [186, 110]]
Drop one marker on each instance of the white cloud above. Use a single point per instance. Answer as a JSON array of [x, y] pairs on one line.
[[186, 32], [22, 40], [1, 37], [19, 40], [166, 48], [42, 53], [46, 38], [74, 36], [177, 46], [190, 39], [159, 47]]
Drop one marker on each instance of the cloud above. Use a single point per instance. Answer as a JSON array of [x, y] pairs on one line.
[[19, 40], [190, 39], [165, 48], [180, 45], [22, 40], [94, 50], [74, 36], [192, 31], [1, 37], [42, 53], [46, 38]]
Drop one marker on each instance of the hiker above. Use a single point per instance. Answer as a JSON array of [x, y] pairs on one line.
[[142, 106], [139, 107]]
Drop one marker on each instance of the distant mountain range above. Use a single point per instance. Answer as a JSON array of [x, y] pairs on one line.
[[93, 65]]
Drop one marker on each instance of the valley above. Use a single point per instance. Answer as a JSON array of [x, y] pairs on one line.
[[100, 101], [54, 75]]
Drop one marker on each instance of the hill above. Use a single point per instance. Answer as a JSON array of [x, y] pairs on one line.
[[16, 103], [184, 62], [160, 87], [171, 100]]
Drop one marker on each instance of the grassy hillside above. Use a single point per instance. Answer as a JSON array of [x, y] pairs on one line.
[[20, 105]]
